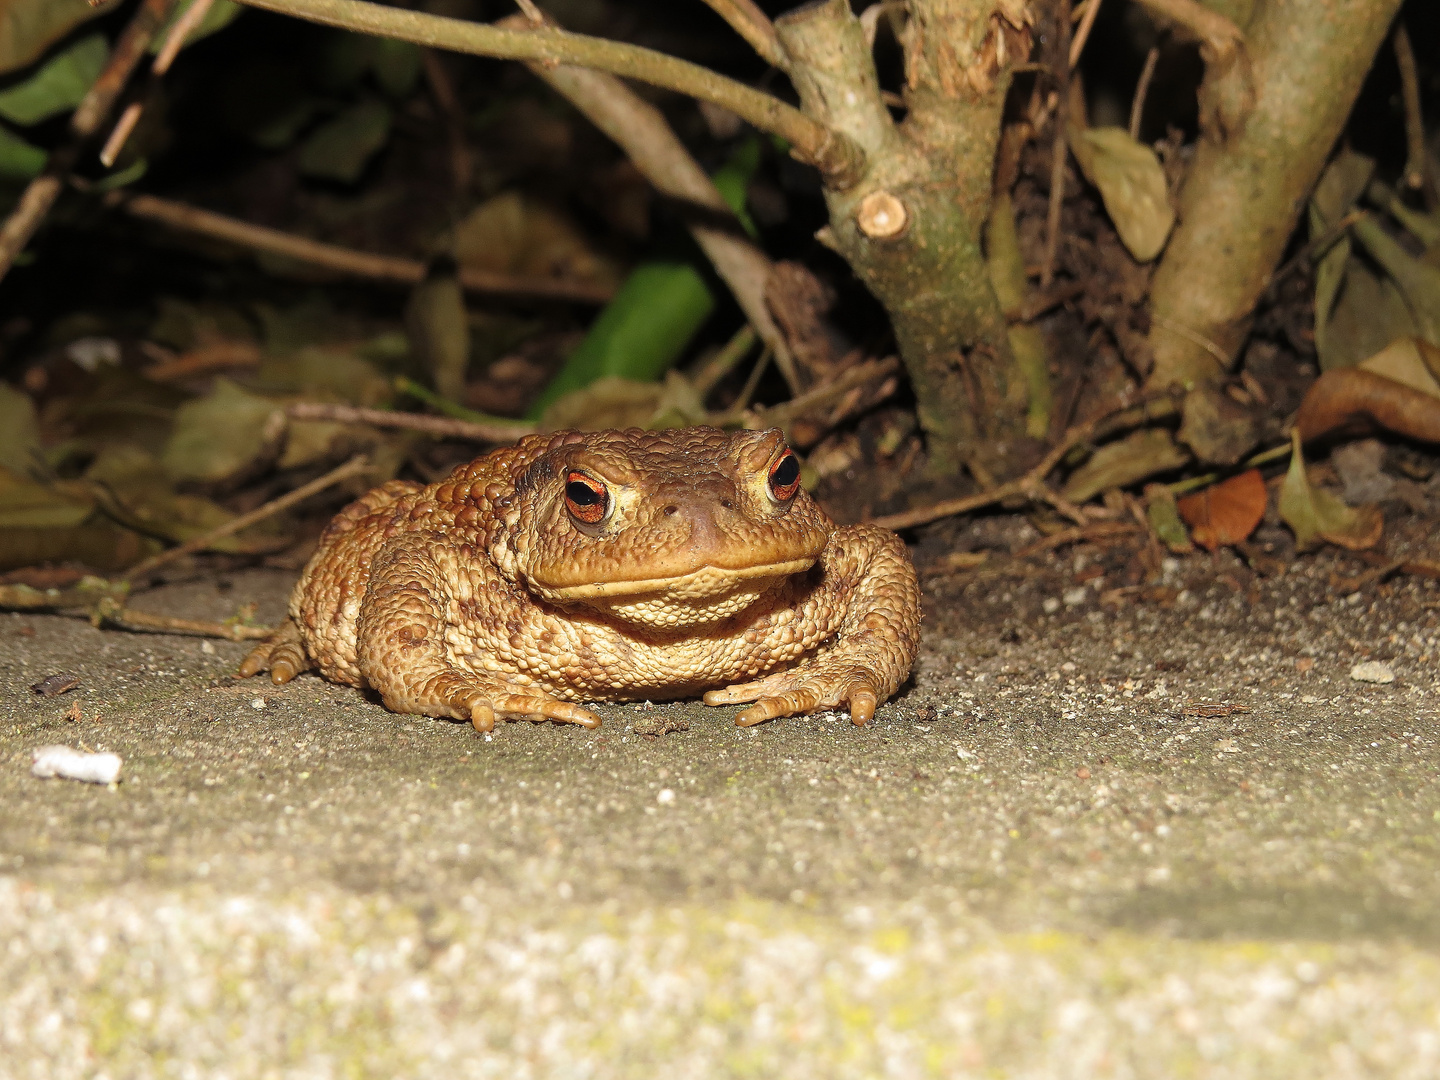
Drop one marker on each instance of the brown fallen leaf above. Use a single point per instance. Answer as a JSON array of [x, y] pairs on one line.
[[1346, 396], [1226, 513], [55, 685]]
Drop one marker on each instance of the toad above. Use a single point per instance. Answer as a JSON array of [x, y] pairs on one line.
[[604, 566]]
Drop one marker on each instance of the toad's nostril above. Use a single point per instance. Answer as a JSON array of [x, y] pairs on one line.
[[670, 510], [727, 504]]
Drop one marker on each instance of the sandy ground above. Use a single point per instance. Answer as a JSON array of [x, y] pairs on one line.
[[1168, 835]]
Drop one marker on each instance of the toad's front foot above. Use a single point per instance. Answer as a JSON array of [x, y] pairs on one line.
[[464, 697], [282, 654], [805, 689]]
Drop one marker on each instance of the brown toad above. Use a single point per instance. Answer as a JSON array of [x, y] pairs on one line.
[[605, 566]]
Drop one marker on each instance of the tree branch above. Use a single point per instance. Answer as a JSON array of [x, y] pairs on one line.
[[647, 139], [754, 26], [343, 260], [94, 107], [839, 160]]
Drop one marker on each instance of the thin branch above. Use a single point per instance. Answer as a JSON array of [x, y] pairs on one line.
[[188, 22], [861, 374], [752, 24], [354, 467], [343, 260], [1082, 32], [839, 160], [1032, 485], [440, 426], [642, 131], [1142, 89], [128, 618], [1059, 153], [1221, 36], [40, 195], [1415, 156]]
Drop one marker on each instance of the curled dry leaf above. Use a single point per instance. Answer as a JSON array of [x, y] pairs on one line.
[[1131, 183], [1346, 395], [1315, 515], [1226, 513]]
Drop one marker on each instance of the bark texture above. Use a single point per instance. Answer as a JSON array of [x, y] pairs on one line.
[[1305, 62], [911, 226]]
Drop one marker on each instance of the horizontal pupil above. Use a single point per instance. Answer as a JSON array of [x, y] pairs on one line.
[[583, 494]]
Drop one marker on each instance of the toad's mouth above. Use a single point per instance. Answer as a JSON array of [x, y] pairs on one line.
[[693, 585]]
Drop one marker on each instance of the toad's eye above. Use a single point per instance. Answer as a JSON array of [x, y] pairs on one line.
[[785, 477], [586, 499]]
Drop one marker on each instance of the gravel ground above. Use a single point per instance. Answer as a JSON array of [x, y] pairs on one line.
[[1166, 834]]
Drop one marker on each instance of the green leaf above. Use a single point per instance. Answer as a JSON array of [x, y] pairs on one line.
[[221, 14], [1132, 185], [1032, 357], [19, 429], [1340, 185], [340, 148], [18, 159], [396, 65], [223, 436], [439, 330], [124, 178], [1002, 254], [1369, 314], [640, 333], [29, 27], [615, 402], [25, 504], [733, 179], [59, 84], [1419, 282]]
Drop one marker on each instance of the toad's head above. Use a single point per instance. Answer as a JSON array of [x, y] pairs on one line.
[[663, 529]]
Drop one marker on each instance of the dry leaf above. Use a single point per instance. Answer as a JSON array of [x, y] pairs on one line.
[[1165, 521], [1132, 185], [1226, 513], [1118, 464], [1338, 398], [1314, 514]]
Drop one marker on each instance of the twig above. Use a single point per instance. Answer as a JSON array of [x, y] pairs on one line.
[[1220, 36], [1032, 485], [188, 22], [641, 130], [462, 164], [222, 356], [1264, 457], [1317, 247], [787, 412], [1082, 33], [752, 24], [353, 467], [837, 157], [40, 195], [724, 361], [1059, 152], [1100, 530], [443, 427], [1415, 156], [130, 619], [1142, 88], [343, 260]]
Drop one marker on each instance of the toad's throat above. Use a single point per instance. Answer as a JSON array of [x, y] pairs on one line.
[[707, 581]]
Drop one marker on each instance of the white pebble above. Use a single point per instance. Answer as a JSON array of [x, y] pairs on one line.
[[1051, 605], [1073, 597], [257, 703], [1372, 671], [207, 648], [666, 797], [51, 761]]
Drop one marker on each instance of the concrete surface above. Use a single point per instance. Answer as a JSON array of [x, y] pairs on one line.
[[1042, 860]]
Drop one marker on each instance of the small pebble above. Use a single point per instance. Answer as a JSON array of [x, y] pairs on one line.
[[1372, 671], [257, 703], [1051, 605], [207, 648], [1073, 597], [666, 797]]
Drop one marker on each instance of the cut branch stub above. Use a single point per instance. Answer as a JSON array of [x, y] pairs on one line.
[[881, 216]]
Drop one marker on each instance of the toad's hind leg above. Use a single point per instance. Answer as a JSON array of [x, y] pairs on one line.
[[282, 654], [403, 653]]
